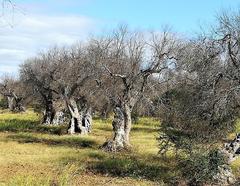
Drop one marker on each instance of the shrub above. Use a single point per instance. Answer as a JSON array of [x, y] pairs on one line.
[[202, 167]]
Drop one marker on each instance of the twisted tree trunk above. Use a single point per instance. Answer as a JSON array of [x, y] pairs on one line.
[[122, 123], [75, 124], [87, 120], [49, 112], [15, 103], [10, 100], [19, 106]]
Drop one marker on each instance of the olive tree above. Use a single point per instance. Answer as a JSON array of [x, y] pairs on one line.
[[127, 61], [13, 90], [38, 73], [203, 106], [74, 71]]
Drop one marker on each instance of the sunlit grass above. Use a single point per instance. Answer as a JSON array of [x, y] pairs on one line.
[[31, 155]]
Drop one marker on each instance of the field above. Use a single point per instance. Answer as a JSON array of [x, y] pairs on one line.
[[32, 154], [35, 155]]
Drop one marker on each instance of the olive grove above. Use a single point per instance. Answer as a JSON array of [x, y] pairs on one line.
[[191, 84]]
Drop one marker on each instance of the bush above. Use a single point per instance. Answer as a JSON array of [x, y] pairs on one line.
[[202, 167]]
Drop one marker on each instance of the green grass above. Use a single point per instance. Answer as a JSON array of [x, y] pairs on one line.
[[32, 154]]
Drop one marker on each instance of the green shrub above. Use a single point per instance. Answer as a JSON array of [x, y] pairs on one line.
[[201, 167]]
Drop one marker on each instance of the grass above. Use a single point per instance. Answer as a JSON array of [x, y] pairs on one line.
[[32, 154]]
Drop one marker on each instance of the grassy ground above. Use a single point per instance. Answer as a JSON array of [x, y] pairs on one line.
[[35, 155], [31, 154]]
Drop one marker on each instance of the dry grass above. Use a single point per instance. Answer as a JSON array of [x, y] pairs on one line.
[[35, 155], [30, 157]]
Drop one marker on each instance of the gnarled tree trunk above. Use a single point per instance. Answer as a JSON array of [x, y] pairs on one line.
[[75, 124], [121, 128], [10, 100], [49, 113], [87, 120], [18, 104], [15, 103]]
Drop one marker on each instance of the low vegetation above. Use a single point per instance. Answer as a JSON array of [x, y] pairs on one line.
[[32, 154], [190, 84]]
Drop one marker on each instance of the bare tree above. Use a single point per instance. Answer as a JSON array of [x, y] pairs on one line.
[[37, 73], [74, 71], [13, 90], [127, 62]]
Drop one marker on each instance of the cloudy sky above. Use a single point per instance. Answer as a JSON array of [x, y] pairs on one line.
[[34, 26]]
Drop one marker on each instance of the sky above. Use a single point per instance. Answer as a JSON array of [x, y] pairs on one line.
[[34, 26]]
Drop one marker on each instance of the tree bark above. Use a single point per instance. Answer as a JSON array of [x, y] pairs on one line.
[[59, 118], [128, 124], [18, 104], [14, 103], [87, 120], [10, 103], [75, 124], [122, 123], [49, 112]]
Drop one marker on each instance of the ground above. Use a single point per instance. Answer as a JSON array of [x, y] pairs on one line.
[[32, 154], [35, 155]]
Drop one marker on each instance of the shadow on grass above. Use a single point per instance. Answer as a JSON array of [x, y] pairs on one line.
[[133, 167], [125, 165], [144, 129], [18, 125], [70, 141]]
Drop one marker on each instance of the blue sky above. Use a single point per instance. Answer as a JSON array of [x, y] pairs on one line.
[[37, 25], [182, 15]]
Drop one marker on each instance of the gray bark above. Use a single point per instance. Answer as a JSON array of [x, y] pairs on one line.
[[87, 120], [14, 103], [10, 103], [121, 128], [59, 118], [105, 111], [128, 124], [75, 124]]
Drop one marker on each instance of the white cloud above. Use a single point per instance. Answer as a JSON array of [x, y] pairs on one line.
[[33, 33]]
